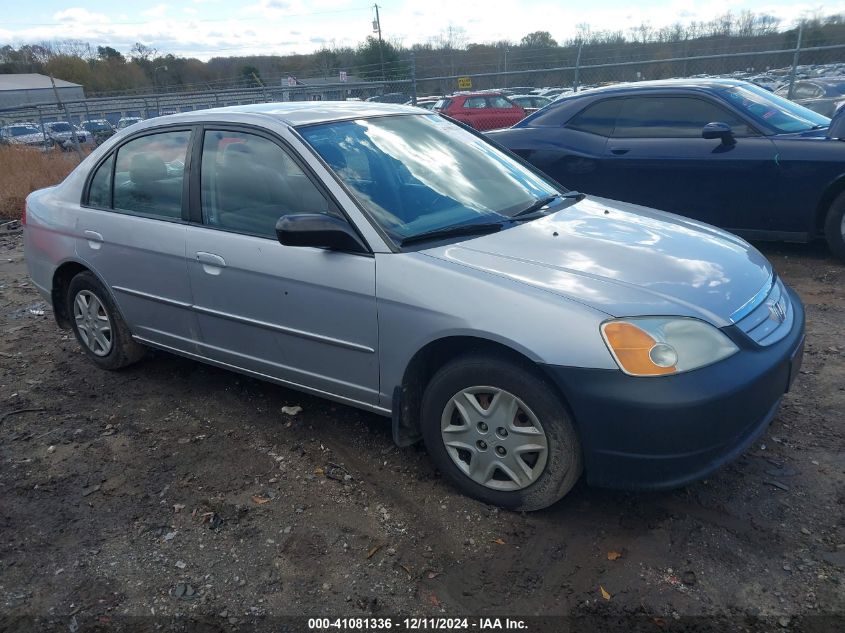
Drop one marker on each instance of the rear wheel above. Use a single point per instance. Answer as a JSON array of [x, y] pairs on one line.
[[499, 432], [834, 227], [98, 326]]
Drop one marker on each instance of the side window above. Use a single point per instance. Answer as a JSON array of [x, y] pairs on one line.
[[499, 102], [148, 175], [807, 91], [99, 192], [475, 102], [672, 117], [598, 118], [248, 182]]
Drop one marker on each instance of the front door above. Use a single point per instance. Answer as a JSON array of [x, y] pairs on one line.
[[306, 316], [656, 157]]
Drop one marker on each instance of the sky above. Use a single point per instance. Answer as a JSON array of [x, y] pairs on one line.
[[212, 28]]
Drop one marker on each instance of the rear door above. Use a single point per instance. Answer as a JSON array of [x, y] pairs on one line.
[[131, 232], [306, 316], [473, 111], [656, 157], [501, 113]]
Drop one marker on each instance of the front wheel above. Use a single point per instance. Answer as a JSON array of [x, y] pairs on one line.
[[98, 326], [499, 432], [834, 227]]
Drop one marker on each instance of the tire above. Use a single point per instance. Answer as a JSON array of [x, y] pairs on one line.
[[530, 402], [121, 349], [834, 227]]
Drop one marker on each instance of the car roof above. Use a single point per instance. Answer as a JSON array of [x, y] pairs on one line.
[[476, 93], [295, 113], [824, 80], [701, 84]]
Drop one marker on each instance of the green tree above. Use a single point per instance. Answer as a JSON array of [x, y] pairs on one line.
[[538, 39], [370, 60], [251, 76], [107, 53]]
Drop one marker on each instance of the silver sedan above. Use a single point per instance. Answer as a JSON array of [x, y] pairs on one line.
[[390, 259]]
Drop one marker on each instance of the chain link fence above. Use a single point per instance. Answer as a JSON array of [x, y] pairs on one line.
[[780, 70]]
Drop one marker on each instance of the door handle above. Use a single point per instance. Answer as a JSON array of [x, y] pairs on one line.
[[95, 240], [211, 263], [620, 150]]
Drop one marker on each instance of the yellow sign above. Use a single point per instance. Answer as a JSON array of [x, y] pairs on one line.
[[464, 83]]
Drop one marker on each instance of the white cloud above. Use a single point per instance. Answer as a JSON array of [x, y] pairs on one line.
[[155, 12], [287, 26], [78, 14]]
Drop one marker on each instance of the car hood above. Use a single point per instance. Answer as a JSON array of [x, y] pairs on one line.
[[624, 260]]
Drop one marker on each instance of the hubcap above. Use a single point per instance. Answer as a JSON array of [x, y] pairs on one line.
[[92, 322], [494, 438]]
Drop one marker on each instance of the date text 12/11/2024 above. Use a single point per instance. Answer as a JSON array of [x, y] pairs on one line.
[[416, 624]]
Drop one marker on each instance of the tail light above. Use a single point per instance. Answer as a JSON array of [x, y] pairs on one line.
[[23, 215]]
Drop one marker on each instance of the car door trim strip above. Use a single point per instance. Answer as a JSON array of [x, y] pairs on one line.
[[255, 322], [285, 330], [157, 298]]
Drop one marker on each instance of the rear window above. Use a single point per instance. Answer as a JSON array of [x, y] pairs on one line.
[[598, 118], [499, 102], [475, 102]]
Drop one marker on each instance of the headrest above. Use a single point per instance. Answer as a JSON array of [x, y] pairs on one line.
[[236, 152], [837, 125], [147, 167]]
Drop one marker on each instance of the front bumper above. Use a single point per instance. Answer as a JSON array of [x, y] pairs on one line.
[[668, 431]]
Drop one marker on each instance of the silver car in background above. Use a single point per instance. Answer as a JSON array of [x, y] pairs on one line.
[[387, 258]]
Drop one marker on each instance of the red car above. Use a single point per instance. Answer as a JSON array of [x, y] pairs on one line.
[[481, 110]]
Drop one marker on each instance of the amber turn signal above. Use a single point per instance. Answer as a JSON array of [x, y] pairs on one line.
[[631, 347]]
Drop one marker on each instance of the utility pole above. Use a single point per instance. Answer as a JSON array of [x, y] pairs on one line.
[[578, 65], [377, 27], [506, 67], [67, 116], [795, 60]]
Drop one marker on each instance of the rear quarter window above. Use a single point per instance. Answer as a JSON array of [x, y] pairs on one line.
[[597, 118]]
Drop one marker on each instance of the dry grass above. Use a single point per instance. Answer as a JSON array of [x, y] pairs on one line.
[[23, 170]]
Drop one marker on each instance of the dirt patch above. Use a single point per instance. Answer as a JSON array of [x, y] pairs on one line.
[[176, 488]]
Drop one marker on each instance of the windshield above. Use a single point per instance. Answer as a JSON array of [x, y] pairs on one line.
[[773, 111], [61, 127], [421, 173], [22, 130], [95, 125]]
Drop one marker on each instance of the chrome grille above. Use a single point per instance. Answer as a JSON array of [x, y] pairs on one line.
[[771, 319]]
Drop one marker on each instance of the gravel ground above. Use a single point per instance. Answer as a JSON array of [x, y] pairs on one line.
[[177, 490]]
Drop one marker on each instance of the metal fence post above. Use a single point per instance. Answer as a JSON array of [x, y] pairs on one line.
[[795, 60], [413, 79], [41, 122], [577, 66]]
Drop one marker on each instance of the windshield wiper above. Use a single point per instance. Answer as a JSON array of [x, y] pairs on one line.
[[452, 231], [537, 205]]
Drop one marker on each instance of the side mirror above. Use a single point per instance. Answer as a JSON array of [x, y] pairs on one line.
[[320, 231], [718, 130]]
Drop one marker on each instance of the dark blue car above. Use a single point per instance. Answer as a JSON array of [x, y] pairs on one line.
[[721, 151]]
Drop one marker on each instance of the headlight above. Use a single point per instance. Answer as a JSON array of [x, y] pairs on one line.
[[657, 346]]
